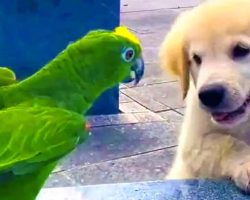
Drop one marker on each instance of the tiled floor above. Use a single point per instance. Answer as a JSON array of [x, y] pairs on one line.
[[139, 144]]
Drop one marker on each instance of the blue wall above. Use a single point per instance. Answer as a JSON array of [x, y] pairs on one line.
[[32, 32]]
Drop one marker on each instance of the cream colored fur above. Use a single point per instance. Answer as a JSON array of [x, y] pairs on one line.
[[208, 149]]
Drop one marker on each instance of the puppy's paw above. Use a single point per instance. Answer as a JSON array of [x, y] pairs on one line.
[[242, 177]]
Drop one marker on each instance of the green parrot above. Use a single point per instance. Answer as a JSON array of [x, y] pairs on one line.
[[42, 117]]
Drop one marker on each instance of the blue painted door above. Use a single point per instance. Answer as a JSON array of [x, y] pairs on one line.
[[32, 32]]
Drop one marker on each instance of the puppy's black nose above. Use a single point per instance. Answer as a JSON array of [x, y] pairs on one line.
[[211, 96]]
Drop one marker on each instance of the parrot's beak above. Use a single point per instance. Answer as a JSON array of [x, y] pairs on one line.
[[137, 71]]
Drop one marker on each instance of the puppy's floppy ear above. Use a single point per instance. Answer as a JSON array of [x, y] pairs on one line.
[[173, 55]]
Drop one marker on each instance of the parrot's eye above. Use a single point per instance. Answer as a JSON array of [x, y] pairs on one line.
[[128, 54]]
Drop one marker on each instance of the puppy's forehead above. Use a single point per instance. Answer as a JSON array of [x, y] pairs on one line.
[[218, 18]]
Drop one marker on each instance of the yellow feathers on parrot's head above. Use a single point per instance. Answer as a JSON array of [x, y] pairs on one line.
[[123, 31]]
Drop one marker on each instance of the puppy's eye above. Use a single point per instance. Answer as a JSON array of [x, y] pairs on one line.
[[240, 51], [197, 59]]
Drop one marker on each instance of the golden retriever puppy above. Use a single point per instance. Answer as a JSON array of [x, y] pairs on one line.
[[208, 48]]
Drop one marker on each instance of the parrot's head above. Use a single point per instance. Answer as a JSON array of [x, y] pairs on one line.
[[112, 56]]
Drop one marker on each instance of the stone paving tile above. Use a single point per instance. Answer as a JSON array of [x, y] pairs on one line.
[[109, 120], [151, 57], [181, 110], [151, 42], [146, 167], [132, 107], [139, 5], [124, 99], [150, 27], [154, 97], [112, 142], [145, 99], [123, 119], [148, 117], [174, 117]]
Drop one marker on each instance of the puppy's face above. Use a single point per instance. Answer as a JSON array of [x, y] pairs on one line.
[[220, 69], [211, 44]]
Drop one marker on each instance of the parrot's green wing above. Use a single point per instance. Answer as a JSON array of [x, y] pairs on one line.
[[30, 137], [7, 76]]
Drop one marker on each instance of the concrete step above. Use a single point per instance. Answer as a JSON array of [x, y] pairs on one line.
[[169, 190], [127, 147]]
